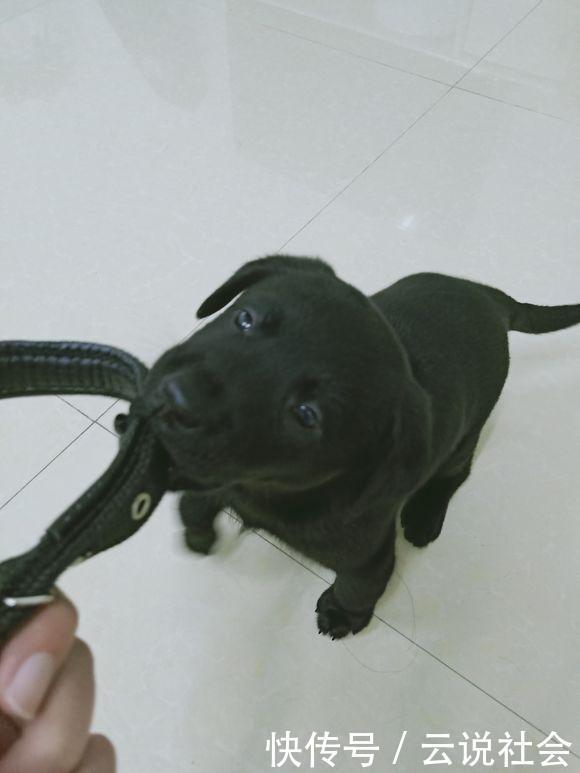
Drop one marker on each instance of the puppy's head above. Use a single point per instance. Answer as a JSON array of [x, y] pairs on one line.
[[300, 381]]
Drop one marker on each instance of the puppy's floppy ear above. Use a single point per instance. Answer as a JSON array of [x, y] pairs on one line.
[[253, 272], [403, 454]]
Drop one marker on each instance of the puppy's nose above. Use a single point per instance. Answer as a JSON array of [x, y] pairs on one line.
[[175, 410]]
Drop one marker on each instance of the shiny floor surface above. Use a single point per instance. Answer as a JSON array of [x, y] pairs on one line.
[[147, 150]]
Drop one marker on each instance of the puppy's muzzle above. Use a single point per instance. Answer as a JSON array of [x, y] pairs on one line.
[[171, 407], [166, 404]]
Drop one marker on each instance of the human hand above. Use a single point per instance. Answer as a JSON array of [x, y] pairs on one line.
[[47, 694]]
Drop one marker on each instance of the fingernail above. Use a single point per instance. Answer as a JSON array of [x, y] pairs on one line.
[[25, 692]]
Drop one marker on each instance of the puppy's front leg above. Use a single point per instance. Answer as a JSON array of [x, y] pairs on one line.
[[198, 513], [348, 605]]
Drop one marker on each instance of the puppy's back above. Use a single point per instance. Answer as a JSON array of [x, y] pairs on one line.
[[455, 335]]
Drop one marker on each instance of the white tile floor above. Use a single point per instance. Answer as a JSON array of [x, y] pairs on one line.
[[146, 150]]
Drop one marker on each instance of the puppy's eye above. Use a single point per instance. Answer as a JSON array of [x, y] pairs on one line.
[[307, 415], [244, 319]]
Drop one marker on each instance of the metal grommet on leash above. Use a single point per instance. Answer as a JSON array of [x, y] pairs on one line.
[[28, 601], [141, 506]]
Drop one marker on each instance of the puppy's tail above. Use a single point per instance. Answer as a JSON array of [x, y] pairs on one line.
[[528, 318]]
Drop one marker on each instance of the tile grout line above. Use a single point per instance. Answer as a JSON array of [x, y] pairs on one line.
[[427, 77], [66, 402], [497, 43], [420, 647], [511, 104], [386, 65], [102, 426], [42, 469], [96, 421], [412, 125], [110, 407], [86, 415], [367, 167]]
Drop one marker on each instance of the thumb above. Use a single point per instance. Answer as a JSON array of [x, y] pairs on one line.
[[32, 657]]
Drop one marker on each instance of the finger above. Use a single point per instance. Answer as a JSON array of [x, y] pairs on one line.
[[99, 756], [56, 738], [32, 657]]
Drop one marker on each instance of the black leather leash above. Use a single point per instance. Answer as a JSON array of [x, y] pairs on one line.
[[118, 503]]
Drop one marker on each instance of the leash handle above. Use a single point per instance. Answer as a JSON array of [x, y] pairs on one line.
[[68, 367], [117, 504]]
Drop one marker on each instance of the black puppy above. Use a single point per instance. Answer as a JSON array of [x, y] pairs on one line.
[[319, 414]]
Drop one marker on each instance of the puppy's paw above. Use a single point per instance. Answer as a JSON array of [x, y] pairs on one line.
[[421, 534], [200, 540], [335, 621]]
